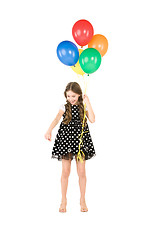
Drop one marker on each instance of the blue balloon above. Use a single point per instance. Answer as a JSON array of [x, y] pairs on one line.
[[68, 53]]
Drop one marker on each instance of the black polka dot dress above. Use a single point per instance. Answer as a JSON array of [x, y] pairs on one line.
[[66, 145]]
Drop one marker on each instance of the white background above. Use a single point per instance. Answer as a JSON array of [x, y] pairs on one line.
[[32, 83]]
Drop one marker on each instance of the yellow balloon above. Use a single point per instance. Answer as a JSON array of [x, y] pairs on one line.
[[76, 68]]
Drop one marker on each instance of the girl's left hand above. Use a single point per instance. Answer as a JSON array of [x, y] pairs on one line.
[[85, 98]]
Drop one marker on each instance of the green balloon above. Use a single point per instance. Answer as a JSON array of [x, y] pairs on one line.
[[90, 60]]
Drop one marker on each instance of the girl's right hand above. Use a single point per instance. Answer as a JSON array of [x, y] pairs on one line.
[[48, 135]]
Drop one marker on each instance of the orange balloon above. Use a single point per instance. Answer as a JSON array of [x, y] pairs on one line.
[[100, 43]]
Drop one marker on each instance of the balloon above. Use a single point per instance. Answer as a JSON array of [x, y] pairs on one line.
[[68, 53], [82, 32], [100, 43], [90, 60], [76, 68]]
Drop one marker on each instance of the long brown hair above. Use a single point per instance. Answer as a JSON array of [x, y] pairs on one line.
[[74, 87]]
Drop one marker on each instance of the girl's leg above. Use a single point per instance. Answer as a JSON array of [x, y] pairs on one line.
[[66, 167], [82, 183]]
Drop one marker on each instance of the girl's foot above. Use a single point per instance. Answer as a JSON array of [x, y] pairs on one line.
[[63, 206], [83, 206]]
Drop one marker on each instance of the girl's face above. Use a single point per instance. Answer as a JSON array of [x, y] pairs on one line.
[[72, 97]]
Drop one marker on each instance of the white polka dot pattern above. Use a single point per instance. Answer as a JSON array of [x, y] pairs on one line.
[[66, 144]]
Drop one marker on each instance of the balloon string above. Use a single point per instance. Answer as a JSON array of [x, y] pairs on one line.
[[85, 82], [81, 155], [78, 78]]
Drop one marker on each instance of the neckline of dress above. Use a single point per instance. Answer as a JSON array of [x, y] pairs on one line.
[[74, 104]]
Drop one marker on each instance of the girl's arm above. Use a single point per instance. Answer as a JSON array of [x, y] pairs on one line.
[[53, 124], [90, 114], [56, 120]]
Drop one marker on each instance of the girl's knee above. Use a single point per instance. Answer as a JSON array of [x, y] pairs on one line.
[[66, 172], [66, 167], [81, 173]]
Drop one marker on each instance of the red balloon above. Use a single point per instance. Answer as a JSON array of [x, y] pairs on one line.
[[82, 32]]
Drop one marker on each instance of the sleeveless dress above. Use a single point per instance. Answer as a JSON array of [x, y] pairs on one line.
[[66, 144]]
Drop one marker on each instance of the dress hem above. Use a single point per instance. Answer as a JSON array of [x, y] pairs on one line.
[[72, 157]]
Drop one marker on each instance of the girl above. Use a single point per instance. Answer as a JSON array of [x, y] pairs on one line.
[[66, 145]]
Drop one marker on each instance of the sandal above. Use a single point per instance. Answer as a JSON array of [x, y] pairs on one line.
[[83, 207], [63, 206]]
